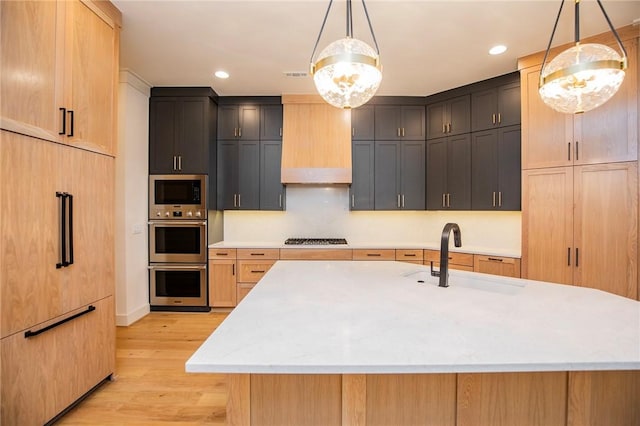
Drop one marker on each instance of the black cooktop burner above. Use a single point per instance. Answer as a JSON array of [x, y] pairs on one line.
[[314, 241]]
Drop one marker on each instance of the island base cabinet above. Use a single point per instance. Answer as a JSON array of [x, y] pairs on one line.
[[42, 375], [580, 398]]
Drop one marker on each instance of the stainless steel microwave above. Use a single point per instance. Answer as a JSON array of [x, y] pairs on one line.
[[178, 197]]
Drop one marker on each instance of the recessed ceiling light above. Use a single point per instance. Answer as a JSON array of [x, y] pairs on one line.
[[496, 50], [222, 74]]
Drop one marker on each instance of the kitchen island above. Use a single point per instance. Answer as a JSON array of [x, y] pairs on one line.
[[322, 342]]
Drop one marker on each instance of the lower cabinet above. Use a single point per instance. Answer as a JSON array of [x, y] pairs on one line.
[[222, 278], [374, 254], [45, 373], [460, 261], [497, 265], [410, 255]]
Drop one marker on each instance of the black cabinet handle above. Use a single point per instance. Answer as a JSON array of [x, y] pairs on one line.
[[373, 254], [70, 232], [257, 254], [258, 272], [70, 123], [577, 257], [568, 256], [495, 259], [30, 333], [63, 230], [64, 121]]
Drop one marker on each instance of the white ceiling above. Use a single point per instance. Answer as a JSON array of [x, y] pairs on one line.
[[426, 46]]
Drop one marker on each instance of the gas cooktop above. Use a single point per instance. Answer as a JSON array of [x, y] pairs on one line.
[[315, 241]]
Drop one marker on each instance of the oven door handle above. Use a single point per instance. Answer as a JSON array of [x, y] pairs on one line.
[[177, 222], [176, 267]]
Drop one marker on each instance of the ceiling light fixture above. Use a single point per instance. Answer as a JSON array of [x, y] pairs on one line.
[[498, 49], [584, 76], [222, 74], [347, 73]]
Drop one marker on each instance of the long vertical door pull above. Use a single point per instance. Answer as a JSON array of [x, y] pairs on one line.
[[66, 229]]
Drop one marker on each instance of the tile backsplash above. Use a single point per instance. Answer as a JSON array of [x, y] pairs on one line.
[[323, 211]]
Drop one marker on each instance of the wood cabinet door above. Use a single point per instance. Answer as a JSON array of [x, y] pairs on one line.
[[412, 123], [90, 78], [248, 175], [436, 173], [89, 177], [610, 132], [484, 109], [362, 123], [606, 220], [163, 132], [412, 175], [387, 122], [484, 170], [387, 175], [459, 172], [31, 54], [362, 186], [271, 189], [271, 122], [547, 224], [30, 228], [222, 283], [497, 265], [547, 135]]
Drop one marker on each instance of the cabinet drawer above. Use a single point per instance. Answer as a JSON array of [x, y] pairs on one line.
[[259, 254], [44, 374], [409, 255], [316, 254], [497, 265], [215, 253], [243, 289], [250, 271], [374, 254], [463, 259]]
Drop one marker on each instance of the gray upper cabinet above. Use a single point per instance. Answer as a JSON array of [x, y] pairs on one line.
[[361, 192], [239, 175], [272, 191], [449, 173], [363, 123], [496, 174], [449, 117], [394, 122], [181, 130], [249, 153], [496, 107], [399, 175], [270, 122], [239, 122]]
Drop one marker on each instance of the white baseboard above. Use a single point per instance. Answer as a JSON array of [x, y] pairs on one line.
[[128, 319]]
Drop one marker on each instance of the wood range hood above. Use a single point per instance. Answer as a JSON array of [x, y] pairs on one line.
[[316, 142]]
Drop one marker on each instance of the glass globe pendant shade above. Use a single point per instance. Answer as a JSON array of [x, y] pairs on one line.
[[347, 73], [582, 78]]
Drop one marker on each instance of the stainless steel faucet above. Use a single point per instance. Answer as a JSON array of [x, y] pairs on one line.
[[443, 273]]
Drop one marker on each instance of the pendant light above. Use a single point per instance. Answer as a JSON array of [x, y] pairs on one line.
[[347, 73], [586, 75]]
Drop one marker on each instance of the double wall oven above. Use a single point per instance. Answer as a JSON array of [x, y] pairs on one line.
[[178, 242]]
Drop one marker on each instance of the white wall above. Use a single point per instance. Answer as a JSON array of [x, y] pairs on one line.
[[132, 288], [324, 212]]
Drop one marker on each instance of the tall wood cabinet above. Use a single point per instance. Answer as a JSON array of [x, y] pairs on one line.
[[57, 319], [580, 185]]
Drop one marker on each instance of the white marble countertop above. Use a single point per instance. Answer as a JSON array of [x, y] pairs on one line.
[[375, 317], [367, 245]]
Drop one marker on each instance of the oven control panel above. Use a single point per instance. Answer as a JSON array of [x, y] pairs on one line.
[[175, 213]]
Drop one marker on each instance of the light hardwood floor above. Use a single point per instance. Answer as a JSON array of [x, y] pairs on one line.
[[151, 386]]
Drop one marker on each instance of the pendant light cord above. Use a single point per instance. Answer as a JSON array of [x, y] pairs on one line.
[[349, 20], [546, 53], [366, 13], [613, 30], [324, 21]]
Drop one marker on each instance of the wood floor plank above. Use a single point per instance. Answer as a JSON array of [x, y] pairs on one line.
[[150, 385]]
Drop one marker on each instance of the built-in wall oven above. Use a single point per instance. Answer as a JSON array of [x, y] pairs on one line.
[[178, 242]]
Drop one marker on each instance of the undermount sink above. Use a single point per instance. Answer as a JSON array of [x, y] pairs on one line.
[[482, 282]]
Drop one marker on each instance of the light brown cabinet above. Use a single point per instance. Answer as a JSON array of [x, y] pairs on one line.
[[606, 134], [497, 265], [580, 226], [252, 265], [410, 255], [316, 254], [60, 76], [222, 278], [457, 260], [374, 254]]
